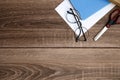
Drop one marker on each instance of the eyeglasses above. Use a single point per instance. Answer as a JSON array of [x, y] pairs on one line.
[[74, 18]]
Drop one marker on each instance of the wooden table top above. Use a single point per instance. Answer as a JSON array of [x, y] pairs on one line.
[[36, 44]]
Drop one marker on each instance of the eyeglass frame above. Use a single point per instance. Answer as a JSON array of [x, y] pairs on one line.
[[77, 19]]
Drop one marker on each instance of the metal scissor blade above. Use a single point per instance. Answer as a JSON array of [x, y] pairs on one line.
[[100, 33]]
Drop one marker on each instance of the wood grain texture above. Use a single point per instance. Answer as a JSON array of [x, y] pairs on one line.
[[59, 64], [34, 23], [36, 44], [41, 72]]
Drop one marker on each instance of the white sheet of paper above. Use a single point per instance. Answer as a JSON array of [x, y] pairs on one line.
[[87, 23]]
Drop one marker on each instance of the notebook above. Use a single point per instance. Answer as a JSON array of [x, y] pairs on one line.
[[87, 8], [88, 22]]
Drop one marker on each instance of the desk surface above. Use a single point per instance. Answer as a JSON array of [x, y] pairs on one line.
[[36, 44]]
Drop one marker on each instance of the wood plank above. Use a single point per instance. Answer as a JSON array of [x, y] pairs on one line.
[[72, 55], [24, 14], [34, 23], [57, 38], [59, 64]]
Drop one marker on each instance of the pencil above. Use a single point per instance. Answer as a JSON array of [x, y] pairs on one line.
[[117, 2]]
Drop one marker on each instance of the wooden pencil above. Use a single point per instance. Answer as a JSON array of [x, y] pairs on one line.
[[117, 2]]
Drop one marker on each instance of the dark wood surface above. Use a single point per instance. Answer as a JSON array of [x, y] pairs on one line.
[[36, 44]]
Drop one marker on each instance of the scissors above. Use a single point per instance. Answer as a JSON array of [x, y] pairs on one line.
[[113, 19]]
